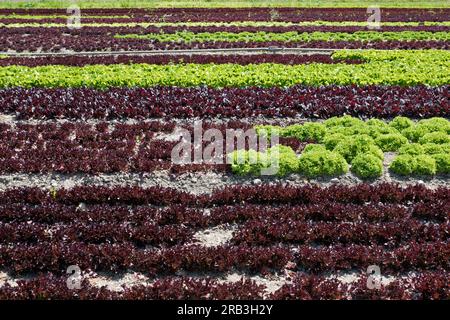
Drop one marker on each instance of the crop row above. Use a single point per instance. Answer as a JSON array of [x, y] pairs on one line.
[[124, 20], [79, 61], [57, 43], [71, 147], [292, 36], [392, 68], [62, 16], [54, 287], [422, 286], [428, 285], [100, 132], [237, 194], [62, 159], [90, 29], [77, 147], [142, 23], [270, 231], [253, 14], [266, 232], [326, 211], [173, 102], [139, 235], [56, 257]]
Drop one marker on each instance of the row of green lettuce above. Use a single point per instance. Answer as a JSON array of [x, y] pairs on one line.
[[423, 148], [317, 23], [291, 36], [406, 68]]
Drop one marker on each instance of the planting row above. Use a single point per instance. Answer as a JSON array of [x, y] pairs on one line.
[[238, 194], [55, 287], [94, 157], [138, 235], [56, 257], [123, 21], [197, 218], [393, 68], [266, 232], [173, 102], [287, 231], [58, 43], [79, 61], [70, 147], [418, 31], [77, 147], [293, 36], [425, 285], [252, 14]]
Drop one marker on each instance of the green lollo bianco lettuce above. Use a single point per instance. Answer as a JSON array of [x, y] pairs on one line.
[[247, 162], [433, 148], [288, 160], [314, 148], [414, 165], [403, 164], [425, 165], [310, 131], [367, 166], [446, 147], [261, 36], [401, 123], [350, 148], [294, 130], [442, 162], [427, 148], [411, 149], [360, 129], [345, 121], [322, 163], [414, 133], [268, 130], [376, 123], [363, 145], [435, 137], [377, 131], [331, 140], [424, 127], [251, 162], [436, 124], [390, 142]]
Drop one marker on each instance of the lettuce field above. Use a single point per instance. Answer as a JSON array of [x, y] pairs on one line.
[[97, 105]]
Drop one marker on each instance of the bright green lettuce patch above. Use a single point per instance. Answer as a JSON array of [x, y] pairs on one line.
[[251, 162], [416, 165], [367, 165], [292, 36], [342, 140], [313, 163], [382, 67]]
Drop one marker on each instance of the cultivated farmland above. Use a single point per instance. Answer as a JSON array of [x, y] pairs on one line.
[[90, 116]]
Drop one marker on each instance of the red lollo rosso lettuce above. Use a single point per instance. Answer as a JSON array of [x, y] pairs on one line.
[[171, 102]]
